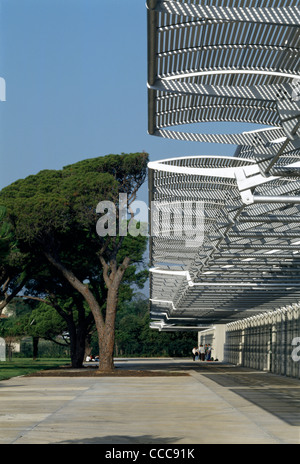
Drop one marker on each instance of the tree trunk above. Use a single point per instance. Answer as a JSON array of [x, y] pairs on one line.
[[35, 346], [77, 344], [78, 354], [107, 337], [105, 330]]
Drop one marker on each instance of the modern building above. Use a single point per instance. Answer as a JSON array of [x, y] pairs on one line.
[[225, 232]]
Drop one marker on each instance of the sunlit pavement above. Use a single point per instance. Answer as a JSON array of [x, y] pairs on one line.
[[213, 403]]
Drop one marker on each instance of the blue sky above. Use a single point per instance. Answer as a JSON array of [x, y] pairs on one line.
[[76, 86]]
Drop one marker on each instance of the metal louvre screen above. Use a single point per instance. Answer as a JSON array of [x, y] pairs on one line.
[[225, 232]]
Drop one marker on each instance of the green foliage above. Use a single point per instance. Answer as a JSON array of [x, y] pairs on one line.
[[43, 322], [31, 319], [52, 217], [54, 204], [134, 337], [13, 262], [56, 211], [9, 253], [5, 232]]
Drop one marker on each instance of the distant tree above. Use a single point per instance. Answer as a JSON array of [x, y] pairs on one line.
[[10, 326], [32, 319], [135, 337], [44, 322], [177, 343]]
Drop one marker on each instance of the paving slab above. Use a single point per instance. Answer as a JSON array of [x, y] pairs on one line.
[[213, 403]]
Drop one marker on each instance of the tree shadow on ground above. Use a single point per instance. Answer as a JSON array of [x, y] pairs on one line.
[[278, 395], [122, 440]]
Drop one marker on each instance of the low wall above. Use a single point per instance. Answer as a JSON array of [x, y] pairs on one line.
[[267, 342]]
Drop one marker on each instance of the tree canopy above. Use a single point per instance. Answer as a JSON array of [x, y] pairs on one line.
[[53, 219]]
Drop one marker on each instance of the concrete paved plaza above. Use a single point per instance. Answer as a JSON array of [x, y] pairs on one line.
[[212, 403]]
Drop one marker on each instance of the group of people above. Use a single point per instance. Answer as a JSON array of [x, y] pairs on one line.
[[202, 353], [91, 358]]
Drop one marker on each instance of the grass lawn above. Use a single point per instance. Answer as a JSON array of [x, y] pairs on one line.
[[23, 366]]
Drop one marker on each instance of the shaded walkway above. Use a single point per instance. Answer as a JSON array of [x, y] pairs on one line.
[[214, 403]]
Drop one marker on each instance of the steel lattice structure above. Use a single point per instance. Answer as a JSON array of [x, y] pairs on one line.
[[225, 232]]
